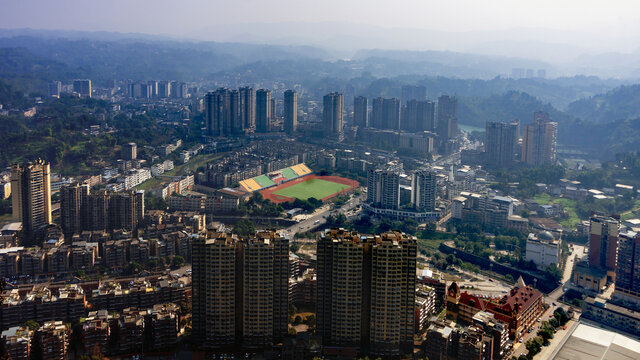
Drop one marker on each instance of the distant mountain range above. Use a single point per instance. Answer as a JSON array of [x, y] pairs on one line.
[[581, 104]]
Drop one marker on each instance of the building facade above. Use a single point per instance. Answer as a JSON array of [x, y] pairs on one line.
[[240, 290], [290, 111], [361, 111], [332, 121], [366, 291], [603, 244], [263, 111], [539, 140], [500, 143], [31, 197]]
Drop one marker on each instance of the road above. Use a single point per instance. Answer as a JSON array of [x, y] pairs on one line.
[[552, 300], [318, 218]]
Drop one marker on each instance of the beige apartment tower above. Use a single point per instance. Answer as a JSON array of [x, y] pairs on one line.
[[366, 291], [240, 290]]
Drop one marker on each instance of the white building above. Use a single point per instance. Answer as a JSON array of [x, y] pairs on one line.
[[157, 169], [543, 250]]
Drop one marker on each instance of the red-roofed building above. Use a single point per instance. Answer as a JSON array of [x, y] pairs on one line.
[[519, 309]]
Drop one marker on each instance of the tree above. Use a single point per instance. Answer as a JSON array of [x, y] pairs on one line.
[[292, 331], [297, 320], [32, 325], [244, 227], [178, 261], [534, 346]]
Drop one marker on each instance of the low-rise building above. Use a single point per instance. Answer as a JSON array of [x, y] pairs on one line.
[[614, 316], [589, 277], [54, 339], [131, 324], [543, 250], [425, 306], [519, 309], [96, 332], [17, 342], [164, 324]]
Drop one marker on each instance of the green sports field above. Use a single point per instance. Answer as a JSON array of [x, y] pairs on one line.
[[316, 188]]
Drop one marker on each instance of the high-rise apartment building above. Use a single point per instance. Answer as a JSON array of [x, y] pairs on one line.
[[377, 113], [385, 113], [240, 289], [290, 111], [130, 151], [153, 87], [383, 188], [248, 108], [391, 113], [230, 112], [31, 198], [72, 208], [361, 112], [103, 210], [274, 110], [164, 89], [218, 112], [366, 291], [263, 111], [539, 140], [628, 268], [604, 234], [500, 144], [82, 87], [413, 92], [423, 190], [332, 109], [178, 89], [447, 126], [235, 113], [55, 88], [419, 116]]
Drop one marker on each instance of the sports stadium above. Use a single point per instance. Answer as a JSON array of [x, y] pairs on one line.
[[297, 182]]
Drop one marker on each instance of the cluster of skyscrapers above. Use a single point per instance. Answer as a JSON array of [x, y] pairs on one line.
[[365, 290], [383, 189], [103, 210], [157, 89], [538, 142], [244, 111], [416, 115]]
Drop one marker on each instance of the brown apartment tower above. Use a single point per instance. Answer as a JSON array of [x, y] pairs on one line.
[[604, 234], [240, 290], [31, 198], [366, 291]]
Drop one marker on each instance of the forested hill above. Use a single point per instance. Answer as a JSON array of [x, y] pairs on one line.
[[621, 103]]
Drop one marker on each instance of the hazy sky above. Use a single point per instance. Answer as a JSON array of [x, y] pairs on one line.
[[177, 18]]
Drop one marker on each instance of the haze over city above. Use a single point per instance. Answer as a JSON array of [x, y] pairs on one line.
[[311, 180], [555, 31]]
